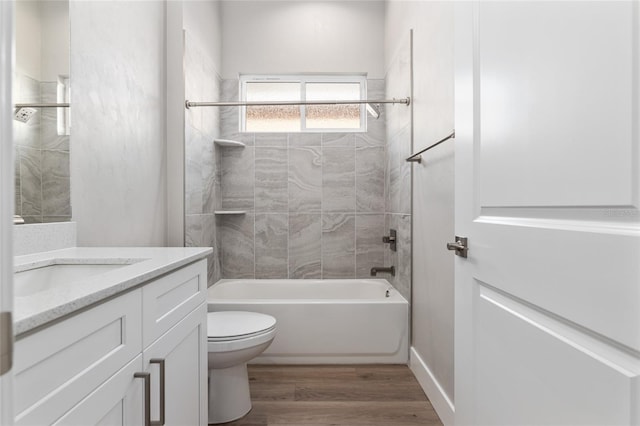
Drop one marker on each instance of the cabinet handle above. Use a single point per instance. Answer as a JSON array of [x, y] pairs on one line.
[[162, 391], [147, 395]]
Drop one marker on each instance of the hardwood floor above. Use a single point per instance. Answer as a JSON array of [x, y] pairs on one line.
[[340, 395]]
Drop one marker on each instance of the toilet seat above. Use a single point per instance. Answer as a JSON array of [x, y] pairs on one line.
[[235, 330], [234, 338]]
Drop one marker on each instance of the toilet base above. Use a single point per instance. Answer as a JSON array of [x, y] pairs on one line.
[[229, 397]]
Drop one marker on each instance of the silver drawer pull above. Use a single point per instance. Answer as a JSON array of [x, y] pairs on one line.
[[162, 391], [147, 395]]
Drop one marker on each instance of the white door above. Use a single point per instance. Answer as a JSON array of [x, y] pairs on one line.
[[547, 192]]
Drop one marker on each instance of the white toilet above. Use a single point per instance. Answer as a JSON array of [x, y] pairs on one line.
[[234, 339]]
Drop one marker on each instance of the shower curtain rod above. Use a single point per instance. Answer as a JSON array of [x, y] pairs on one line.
[[405, 101], [41, 105]]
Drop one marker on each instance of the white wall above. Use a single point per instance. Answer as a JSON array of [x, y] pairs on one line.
[[302, 36], [118, 190], [433, 190], [55, 39], [203, 21], [174, 123], [28, 38], [42, 39]]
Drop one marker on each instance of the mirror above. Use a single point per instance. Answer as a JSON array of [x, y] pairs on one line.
[[41, 135]]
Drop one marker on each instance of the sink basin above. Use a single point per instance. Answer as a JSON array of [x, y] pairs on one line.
[[47, 277]]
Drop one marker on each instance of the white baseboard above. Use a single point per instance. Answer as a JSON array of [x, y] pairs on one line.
[[439, 399]]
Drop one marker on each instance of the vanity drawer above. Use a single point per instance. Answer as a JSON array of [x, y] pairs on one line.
[[58, 366], [167, 300]]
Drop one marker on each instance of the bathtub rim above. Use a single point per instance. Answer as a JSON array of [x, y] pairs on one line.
[[395, 298]]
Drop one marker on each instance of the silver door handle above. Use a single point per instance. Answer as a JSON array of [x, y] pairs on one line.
[[6, 342], [460, 246]]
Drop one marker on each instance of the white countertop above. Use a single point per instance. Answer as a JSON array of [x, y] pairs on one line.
[[40, 308]]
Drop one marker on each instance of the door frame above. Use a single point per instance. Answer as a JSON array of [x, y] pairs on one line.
[[6, 209], [465, 111]]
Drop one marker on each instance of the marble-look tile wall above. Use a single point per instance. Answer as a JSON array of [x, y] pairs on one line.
[[314, 202], [398, 200], [118, 122], [42, 182], [202, 168]]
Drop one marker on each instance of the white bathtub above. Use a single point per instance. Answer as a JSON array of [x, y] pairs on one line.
[[323, 321]]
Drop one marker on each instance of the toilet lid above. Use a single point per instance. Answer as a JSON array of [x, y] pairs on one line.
[[231, 325]]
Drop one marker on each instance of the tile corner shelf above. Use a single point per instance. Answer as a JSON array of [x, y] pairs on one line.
[[229, 142], [229, 212]]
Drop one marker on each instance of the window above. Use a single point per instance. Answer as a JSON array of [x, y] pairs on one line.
[[303, 118]]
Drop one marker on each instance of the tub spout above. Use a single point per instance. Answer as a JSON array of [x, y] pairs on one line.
[[389, 270]]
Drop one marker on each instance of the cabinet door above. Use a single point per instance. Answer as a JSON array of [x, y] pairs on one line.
[[184, 352], [117, 402], [60, 365]]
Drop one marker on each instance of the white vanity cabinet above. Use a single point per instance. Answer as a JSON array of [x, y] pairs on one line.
[[91, 368], [175, 336]]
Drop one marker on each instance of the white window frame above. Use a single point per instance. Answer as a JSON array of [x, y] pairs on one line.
[[304, 79]]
